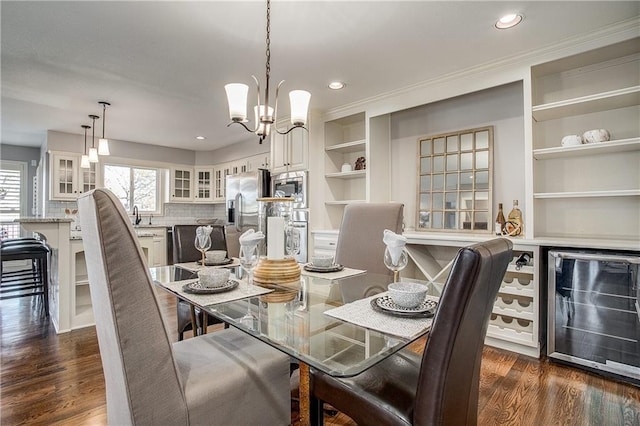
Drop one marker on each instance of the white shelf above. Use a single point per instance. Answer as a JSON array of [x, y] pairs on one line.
[[354, 174], [343, 202], [588, 194], [621, 145], [348, 147], [513, 336], [613, 99], [514, 291], [82, 280]]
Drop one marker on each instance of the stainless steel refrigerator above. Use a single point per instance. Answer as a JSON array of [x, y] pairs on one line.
[[242, 191]]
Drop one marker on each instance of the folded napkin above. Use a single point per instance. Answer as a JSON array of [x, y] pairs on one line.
[[202, 233], [395, 243], [251, 238]]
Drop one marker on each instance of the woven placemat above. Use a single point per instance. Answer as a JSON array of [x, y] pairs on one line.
[[361, 313]]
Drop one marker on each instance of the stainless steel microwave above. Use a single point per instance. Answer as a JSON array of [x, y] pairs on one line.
[[291, 184]]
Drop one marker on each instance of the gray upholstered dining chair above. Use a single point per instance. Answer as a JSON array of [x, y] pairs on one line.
[[439, 387], [226, 377], [360, 243]]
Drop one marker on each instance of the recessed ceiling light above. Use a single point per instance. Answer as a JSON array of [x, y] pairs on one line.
[[200, 138], [336, 85], [509, 21]]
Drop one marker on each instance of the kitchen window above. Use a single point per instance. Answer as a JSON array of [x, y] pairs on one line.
[[134, 186]]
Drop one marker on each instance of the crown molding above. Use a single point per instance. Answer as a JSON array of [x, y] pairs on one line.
[[604, 36]]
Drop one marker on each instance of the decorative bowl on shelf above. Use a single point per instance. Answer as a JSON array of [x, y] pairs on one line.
[[596, 135], [571, 140]]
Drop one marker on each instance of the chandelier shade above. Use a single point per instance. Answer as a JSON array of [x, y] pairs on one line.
[[237, 99], [265, 114]]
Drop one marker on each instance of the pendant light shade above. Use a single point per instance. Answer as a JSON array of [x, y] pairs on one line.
[[93, 151], [84, 160], [103, 142]]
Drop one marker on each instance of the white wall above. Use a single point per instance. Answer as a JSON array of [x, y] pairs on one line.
[[501, 107]]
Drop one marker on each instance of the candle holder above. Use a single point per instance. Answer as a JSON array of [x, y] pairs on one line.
[[284, 243]]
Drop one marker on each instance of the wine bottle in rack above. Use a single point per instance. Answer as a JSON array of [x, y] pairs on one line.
[[522, 260], [500, 221]]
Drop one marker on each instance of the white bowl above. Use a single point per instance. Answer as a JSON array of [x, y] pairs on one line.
[[213, 277], [216, 256], [322, 260], [407, 295], [571, 140], [596, 135]]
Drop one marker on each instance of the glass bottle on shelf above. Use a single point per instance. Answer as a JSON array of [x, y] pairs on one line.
[[500, 221], [513, 227]]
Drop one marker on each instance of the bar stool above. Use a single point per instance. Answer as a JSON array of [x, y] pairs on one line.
[[33, 281]]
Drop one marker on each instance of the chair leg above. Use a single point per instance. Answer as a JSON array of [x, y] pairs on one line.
[[317, 411]]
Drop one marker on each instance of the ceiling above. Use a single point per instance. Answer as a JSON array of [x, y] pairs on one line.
[[163, 65]]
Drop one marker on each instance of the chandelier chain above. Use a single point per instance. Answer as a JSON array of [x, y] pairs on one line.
[[268, 52]]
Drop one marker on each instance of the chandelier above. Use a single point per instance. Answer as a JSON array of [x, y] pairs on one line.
[[265, 115]]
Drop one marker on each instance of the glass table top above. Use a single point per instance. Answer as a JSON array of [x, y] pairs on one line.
[[292, 319]]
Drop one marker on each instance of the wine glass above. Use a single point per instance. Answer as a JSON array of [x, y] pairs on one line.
[[203, 243], [398, 265], [248, 260], [292, 237]]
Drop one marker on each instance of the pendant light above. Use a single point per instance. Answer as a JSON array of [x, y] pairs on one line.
[[84, 160], [93, 152], [265, 115], [103, 143]]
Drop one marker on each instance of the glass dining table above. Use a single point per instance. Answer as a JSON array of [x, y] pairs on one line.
[[292, 318]]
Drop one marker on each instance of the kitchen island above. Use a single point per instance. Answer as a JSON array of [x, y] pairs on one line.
[[69, 295]]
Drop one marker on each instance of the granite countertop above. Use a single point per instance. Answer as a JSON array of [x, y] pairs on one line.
[[43, 220]]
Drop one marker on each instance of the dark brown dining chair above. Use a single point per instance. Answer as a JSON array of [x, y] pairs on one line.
[[184, 250], [439, 387], [227, 377], [360, 242]]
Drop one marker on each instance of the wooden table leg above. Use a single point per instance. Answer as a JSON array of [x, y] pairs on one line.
[[303, 394], [194, 324]]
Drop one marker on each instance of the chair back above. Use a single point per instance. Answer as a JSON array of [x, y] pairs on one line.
[[142, 383], [449, 375], [360, 243], [185, 235]]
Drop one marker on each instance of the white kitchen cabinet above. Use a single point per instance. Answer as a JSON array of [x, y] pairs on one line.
[[181, 184], [290, 152], [204, 190], [591, 190], [259, 161], [158, 255], [68, 179]]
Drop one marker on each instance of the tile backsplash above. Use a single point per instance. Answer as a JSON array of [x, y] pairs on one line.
[[174, 213]]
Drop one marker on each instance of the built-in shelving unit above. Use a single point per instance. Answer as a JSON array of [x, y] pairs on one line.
[[579, 189], [344, 143]]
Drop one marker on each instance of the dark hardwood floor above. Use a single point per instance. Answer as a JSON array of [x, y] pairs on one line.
[[57, 379]]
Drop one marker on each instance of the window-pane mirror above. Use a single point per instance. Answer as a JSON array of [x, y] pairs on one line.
[[455, 180]]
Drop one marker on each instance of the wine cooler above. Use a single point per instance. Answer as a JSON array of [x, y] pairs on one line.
[[593, 311]]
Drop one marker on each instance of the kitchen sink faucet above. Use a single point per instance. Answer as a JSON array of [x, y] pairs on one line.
[[138, 219]]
